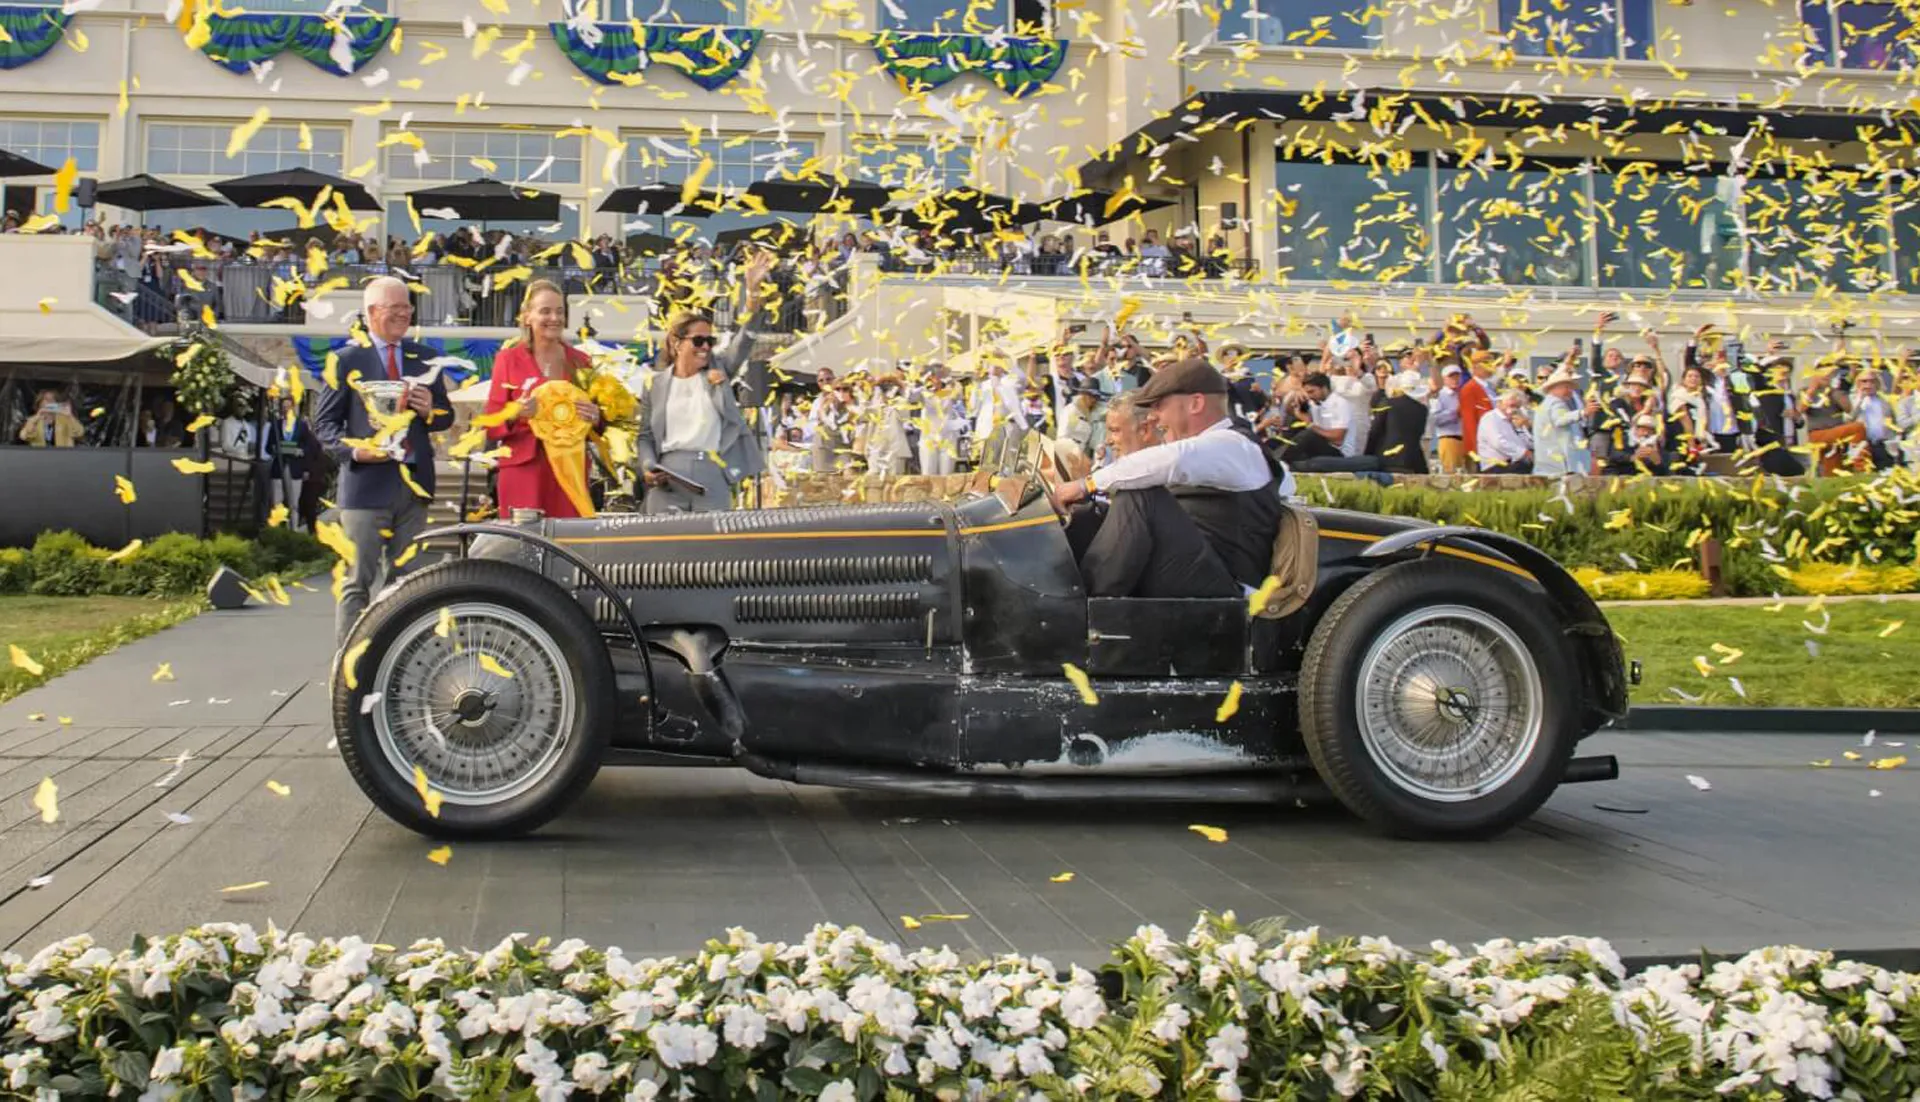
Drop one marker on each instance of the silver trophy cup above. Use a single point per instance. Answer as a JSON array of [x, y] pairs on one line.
[[385, 398]]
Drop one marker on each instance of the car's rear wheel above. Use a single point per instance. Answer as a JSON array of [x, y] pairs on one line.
[[481, 704], [1435, 702]]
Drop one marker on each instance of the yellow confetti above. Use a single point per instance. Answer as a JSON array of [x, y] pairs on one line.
[[1851, 755], [1892, 626], [63, 181], [278, 516], [428, 794], [24, 661], [1705, 667], [444, 629], [164, 673], [1230, 705], [193, 466], [1262, 595], [1823, 763], [199, 423], [909, 922], [247, 887], [350, 661], [126, 552], [945, 918], [1894, 762], [492, 665], [1081, 683], [440, 856], [243, 134], [1211, 834], [123, 488], [406, 476], [47, 304], [279, 789], [1728, 655], [47, 799], [1063, 878]]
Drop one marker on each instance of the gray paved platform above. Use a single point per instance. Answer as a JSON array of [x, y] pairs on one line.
[[657, 860]]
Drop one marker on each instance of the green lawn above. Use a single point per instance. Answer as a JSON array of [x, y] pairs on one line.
[[1854, 667], [63, 632]]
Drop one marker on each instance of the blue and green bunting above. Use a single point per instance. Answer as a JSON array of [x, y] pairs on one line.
[[1017, 65], [709, 56], [31, 33], [242, 41]]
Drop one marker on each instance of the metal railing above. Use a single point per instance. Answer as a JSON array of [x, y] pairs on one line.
[[1065, 266]]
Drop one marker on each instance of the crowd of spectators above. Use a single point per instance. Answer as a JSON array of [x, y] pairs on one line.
[[1452, 404]]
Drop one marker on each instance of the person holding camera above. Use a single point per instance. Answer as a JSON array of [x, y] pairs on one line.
[[53, 424]]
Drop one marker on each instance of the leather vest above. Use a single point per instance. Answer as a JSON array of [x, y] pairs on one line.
[[1241, 527]]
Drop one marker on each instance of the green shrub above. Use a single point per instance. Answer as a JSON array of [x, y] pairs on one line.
[[173, 563], [16, 571], [283, 547], [234, 551], [1629, 526], [64, 565]]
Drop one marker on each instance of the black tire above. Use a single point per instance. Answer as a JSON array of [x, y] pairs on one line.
[[563, 654], [1428, 604]]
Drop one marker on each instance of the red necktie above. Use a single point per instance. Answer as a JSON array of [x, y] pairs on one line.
[[393, 368]]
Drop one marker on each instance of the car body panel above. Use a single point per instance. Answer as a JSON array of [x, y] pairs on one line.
[[936, 639]]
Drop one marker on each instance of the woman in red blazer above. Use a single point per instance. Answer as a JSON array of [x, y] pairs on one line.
[[526, 480]]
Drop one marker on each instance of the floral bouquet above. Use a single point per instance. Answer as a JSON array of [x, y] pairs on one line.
[[605, 388]]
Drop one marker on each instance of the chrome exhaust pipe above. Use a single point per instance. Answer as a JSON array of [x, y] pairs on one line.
[[1604, 767]]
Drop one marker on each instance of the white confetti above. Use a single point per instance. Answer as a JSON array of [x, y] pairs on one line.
[[177, 703], [368, 703], [1873, 793], [1738, 688], [1698, 782], [40, 881], [219, 700], [1867, 739], [178, 818]]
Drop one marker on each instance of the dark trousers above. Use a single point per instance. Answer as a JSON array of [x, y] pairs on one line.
[[1518, 466], [1145, 545]]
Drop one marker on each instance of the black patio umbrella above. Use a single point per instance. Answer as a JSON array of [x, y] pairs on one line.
[[819, 196], [488, 200], [144, 193], [303, 184], [657, 199], [968, 211], [774, 235], [650, 244], [1090, 208], [13, 164]]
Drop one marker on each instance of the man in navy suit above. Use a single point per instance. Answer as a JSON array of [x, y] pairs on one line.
[[380, 513]]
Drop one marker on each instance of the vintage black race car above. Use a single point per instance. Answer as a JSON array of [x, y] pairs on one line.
[[1436, 680]]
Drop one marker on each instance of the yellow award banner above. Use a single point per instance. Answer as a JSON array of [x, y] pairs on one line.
[[563, 436]]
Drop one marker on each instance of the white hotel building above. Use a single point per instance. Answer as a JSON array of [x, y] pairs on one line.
[[1221, 114]]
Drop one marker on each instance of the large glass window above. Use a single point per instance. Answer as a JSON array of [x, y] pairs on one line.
[[200, 149], [318, 7], [1877, 35], [1525, 226], [1663, 226], [916, 163], [1354, 221], [1813, 229], [1597, 29], [698, 13], [512, 155], [52, 141], [670, 159], [1343, 24]]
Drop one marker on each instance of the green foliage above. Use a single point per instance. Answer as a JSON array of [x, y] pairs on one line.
[[204, 382], [64, 565], [16, 570], [61, 564], [1632, 526]]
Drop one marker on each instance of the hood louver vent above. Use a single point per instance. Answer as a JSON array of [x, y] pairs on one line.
[[848, 570], [767, 608]]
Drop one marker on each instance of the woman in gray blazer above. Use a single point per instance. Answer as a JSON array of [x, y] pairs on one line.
[[690, 421]]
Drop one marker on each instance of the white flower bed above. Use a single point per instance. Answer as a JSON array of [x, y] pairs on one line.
[[1229, 1013]]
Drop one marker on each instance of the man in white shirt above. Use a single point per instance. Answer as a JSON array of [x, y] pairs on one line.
[[1503, 447], [1208, 477], [999, 417]]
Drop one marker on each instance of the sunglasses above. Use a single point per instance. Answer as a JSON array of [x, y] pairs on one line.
[[703, 341]]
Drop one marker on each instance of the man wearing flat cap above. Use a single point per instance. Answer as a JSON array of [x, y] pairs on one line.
[[1208, 478]]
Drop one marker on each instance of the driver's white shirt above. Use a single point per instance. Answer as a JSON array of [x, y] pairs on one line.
[[1219, 458]]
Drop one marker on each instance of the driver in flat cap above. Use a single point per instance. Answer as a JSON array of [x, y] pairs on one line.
[[1209, 478]]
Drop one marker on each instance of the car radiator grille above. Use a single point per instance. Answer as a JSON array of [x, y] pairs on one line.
[[841, 570], [765, 608]]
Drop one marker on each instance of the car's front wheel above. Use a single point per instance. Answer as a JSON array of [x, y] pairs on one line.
[[480, 702], [1437, 700]]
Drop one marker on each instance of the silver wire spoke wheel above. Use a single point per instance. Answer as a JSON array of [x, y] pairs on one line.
[[1449, 703], [479, 698]]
